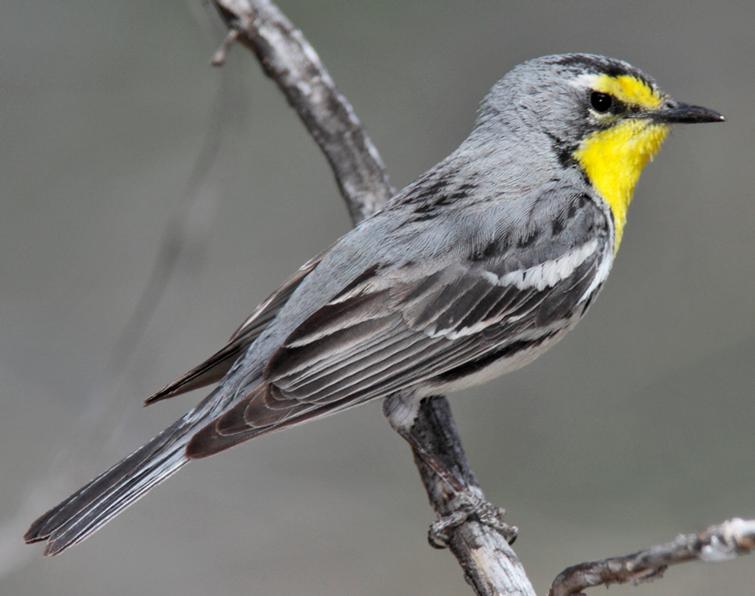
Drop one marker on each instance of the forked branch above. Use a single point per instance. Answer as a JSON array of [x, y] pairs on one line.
[[717, 543]]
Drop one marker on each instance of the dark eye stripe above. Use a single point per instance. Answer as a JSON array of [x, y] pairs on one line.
[[604, 103]]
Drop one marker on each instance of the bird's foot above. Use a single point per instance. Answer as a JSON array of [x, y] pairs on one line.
[[470, 506]]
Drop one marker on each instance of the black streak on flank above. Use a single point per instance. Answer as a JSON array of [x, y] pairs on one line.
[[425, 196], [485, 361], [494, 248], [428, 199], [528, 239], [575, 206], [363, 277], [557, 226]]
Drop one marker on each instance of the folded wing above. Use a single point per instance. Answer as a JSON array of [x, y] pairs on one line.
[[217, 366], [401, 327]]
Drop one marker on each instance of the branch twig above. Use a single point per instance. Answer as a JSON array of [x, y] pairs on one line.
[[717, 543], [490, 566], [289, 60]]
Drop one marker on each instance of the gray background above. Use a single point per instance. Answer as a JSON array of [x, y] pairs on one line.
[[638, 426]]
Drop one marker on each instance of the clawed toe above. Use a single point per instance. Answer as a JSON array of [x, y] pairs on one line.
[[470, 507]]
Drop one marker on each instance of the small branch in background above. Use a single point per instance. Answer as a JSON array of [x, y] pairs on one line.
[[218, 58], [717, 543]]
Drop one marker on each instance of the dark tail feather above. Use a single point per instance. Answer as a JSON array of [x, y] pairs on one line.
[[216, 366], [91, 507], [209, 372]]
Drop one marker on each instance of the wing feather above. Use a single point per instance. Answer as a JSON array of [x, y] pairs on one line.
[[398, 326], [214, 368]]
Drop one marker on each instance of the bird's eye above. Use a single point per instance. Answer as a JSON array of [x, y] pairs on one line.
[[601, 102]]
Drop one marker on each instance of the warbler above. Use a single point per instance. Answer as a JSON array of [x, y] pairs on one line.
[[471, 271]]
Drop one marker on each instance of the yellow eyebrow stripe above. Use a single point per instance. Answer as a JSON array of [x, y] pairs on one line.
[[628, 89]]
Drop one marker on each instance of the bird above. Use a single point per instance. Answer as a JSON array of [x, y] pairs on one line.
[[473, 270]]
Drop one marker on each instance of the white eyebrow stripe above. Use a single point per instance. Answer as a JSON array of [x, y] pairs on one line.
[[548, 274], [584, 81]]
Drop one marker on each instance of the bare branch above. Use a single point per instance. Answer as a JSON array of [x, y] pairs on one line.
[[717, 543], [490, 565], [288, 58]]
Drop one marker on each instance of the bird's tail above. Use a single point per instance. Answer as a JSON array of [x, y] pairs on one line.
[[94, 505]]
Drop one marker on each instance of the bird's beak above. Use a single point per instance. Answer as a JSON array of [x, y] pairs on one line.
[[681, 113]]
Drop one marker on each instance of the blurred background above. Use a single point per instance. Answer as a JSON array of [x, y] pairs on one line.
[[149, 202]]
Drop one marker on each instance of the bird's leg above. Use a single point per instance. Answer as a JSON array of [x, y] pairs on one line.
[[470, 505], [466, 501], [401, 410]]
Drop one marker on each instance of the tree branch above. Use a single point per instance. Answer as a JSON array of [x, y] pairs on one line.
[[717, 543], [289, 60], [490, 566], [489, 563]]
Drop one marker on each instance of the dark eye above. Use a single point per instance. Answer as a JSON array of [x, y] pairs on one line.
[[601, 102]]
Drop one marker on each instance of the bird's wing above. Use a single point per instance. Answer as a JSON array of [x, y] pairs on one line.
[[399, 327], [216, 366]]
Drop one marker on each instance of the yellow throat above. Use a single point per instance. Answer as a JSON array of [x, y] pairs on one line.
[[613, 158]]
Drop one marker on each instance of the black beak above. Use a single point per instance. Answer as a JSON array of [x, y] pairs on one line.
[[682, 113]]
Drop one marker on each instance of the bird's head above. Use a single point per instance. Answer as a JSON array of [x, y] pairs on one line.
[[601, 115]]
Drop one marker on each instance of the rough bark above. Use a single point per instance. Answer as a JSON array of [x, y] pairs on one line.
[[717, 543]]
